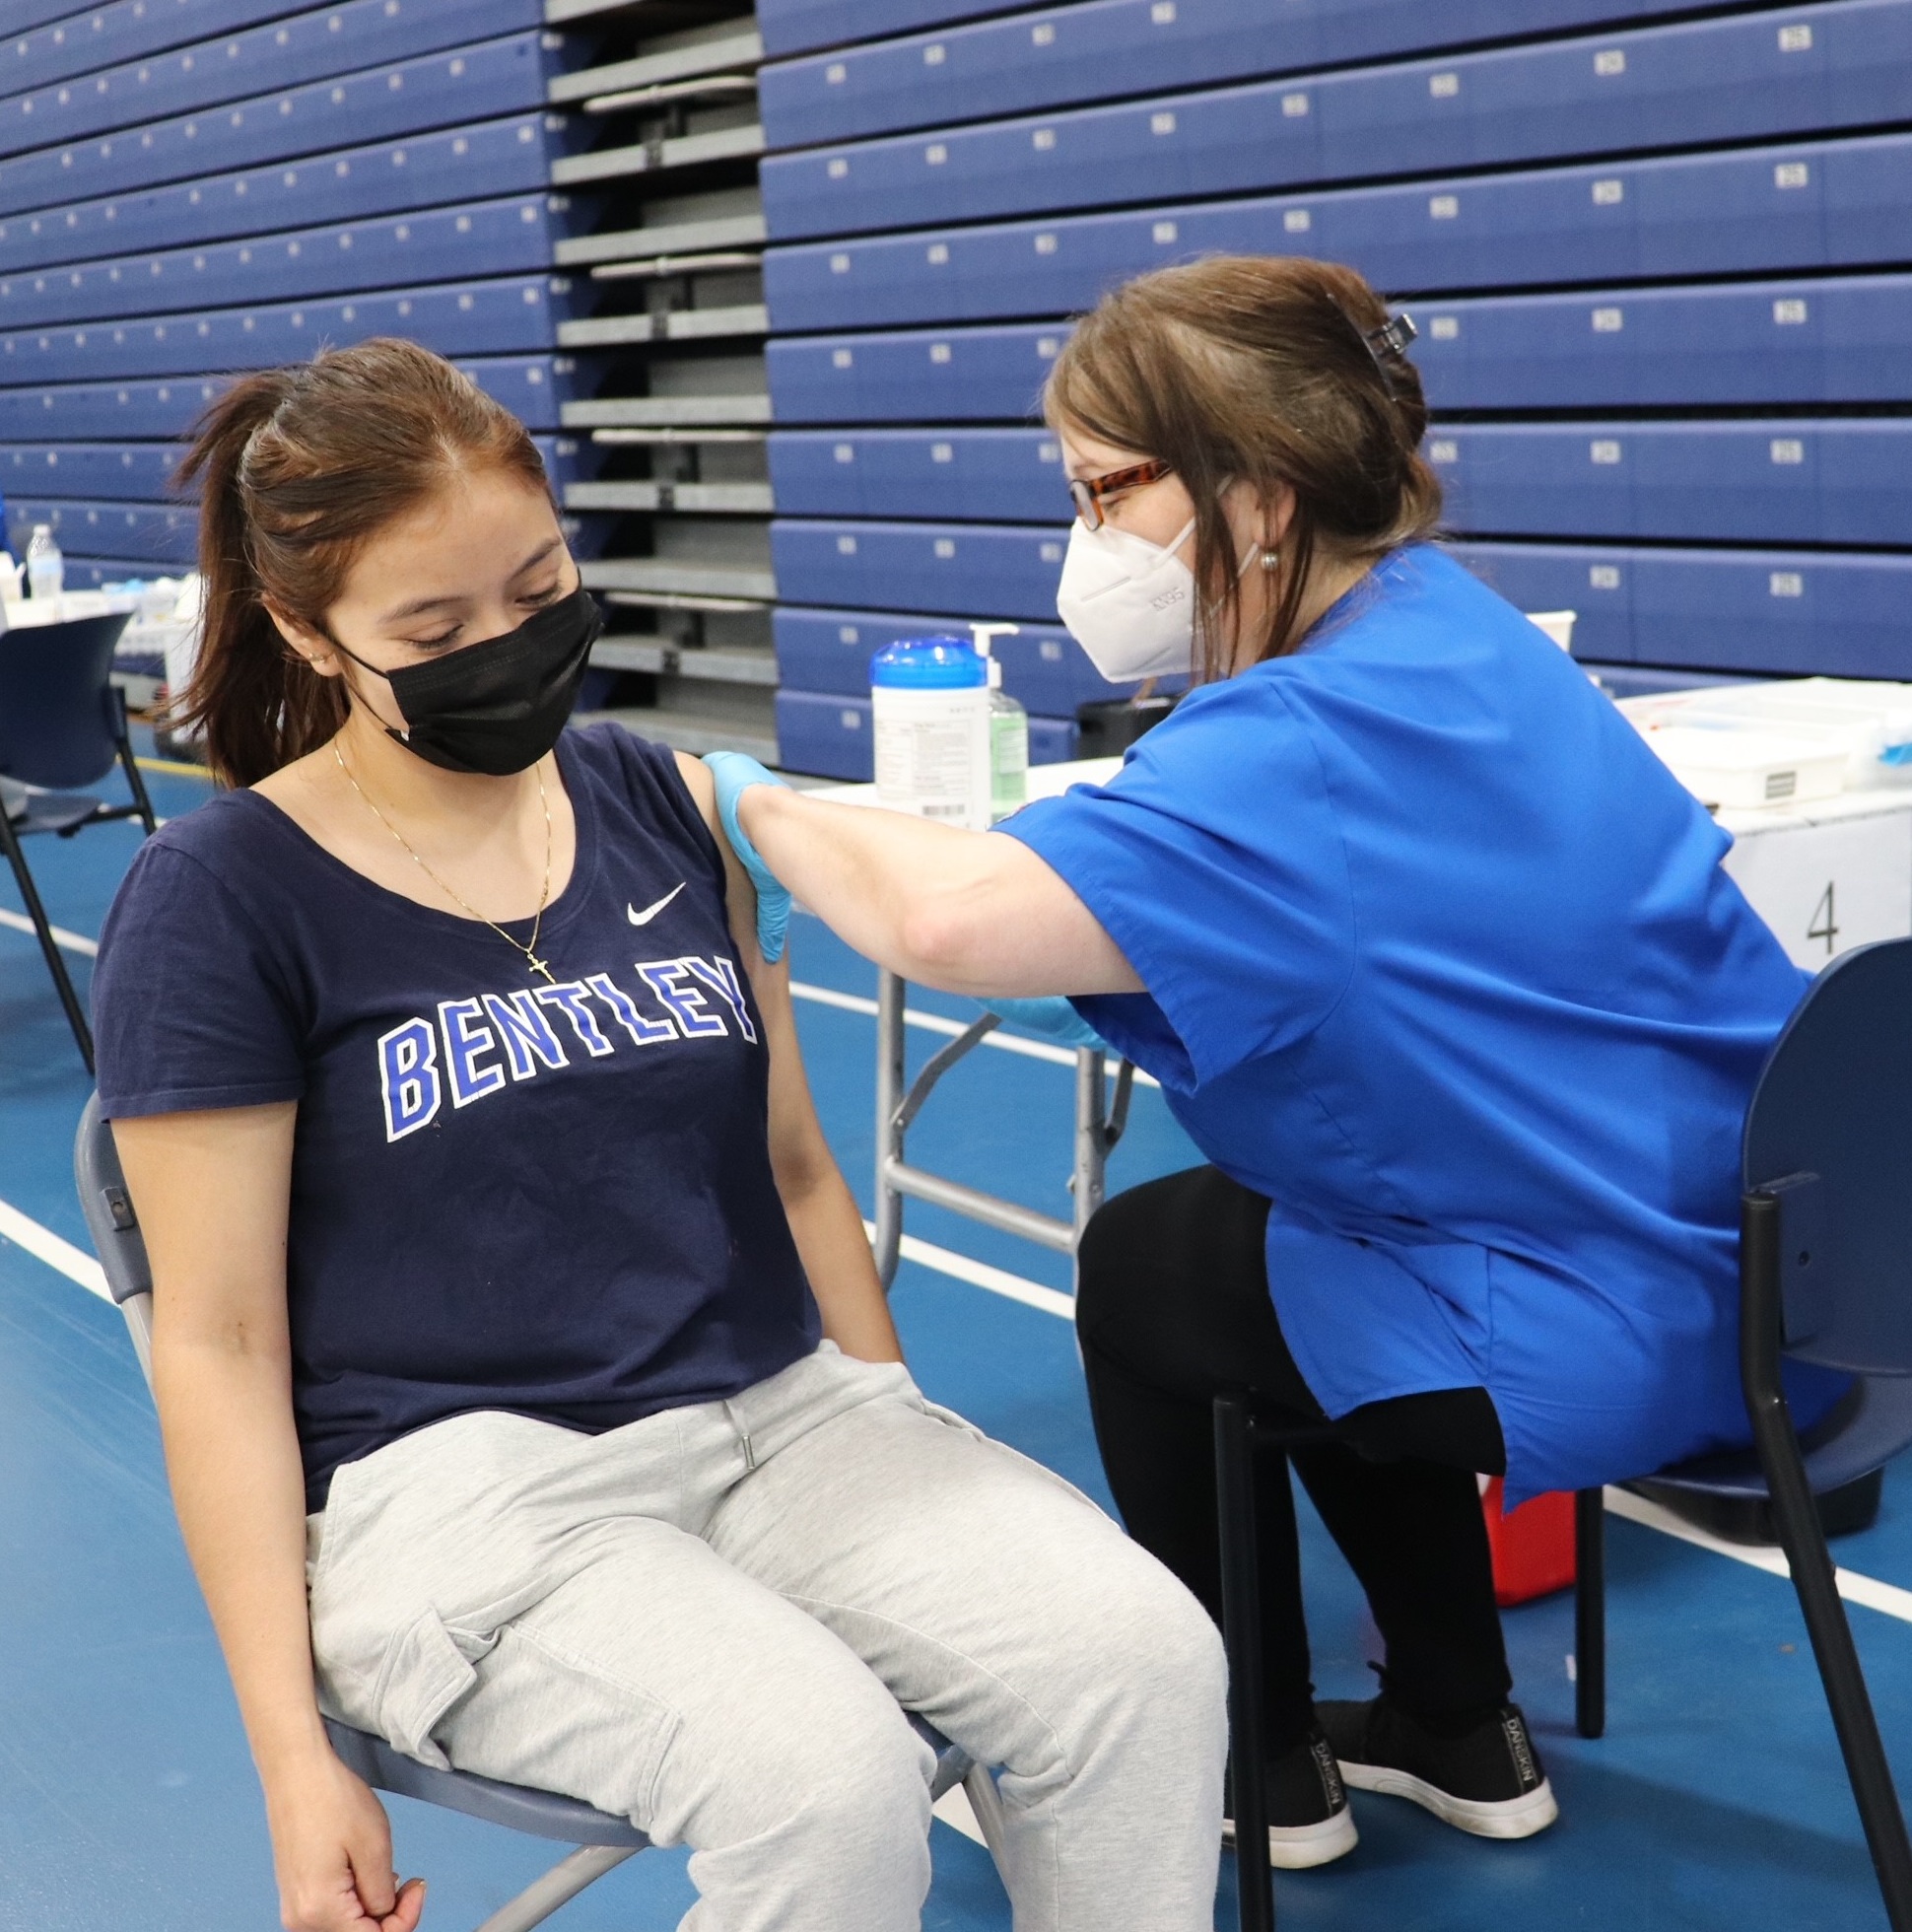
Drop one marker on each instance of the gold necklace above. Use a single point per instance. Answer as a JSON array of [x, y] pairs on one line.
[[529, 952]]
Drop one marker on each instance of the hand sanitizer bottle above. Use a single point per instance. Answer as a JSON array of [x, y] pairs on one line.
[[1008, 731]]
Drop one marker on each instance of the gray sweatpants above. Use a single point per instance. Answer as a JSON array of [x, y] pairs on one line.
[[707, 1621]]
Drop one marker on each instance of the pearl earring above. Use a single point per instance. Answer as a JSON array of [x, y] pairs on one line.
[[1271, 560]]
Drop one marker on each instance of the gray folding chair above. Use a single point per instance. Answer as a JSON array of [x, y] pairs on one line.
[[1825, 1276], [62, 723], [599, 1840]]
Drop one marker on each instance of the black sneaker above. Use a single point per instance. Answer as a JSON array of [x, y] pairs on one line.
[[1308, 1822], [1487, 1780]]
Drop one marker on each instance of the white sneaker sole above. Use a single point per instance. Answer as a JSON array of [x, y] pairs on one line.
[[1505, 1818], [1301, 1847]]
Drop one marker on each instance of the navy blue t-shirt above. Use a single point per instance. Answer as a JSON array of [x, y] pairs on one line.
[[506, 1194]]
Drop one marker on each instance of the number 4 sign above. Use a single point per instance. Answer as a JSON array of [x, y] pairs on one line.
[[1828, 887]]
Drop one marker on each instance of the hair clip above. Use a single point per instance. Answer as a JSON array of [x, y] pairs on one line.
[[1393, 336]]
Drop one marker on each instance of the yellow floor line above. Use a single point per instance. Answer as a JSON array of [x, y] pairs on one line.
[[174, 768]]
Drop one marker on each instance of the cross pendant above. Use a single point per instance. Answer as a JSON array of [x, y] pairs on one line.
[[537, 965]]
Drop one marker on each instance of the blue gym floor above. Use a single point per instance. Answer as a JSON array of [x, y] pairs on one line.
[[1716, 1800]]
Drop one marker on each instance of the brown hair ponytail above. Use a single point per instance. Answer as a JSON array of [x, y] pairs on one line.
[[296, 469], [1260, 370]]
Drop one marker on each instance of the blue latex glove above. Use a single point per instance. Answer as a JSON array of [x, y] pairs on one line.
[[1052, 1018], [736, 773]]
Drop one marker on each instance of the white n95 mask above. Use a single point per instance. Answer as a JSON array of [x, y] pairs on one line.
[[1128, 604]]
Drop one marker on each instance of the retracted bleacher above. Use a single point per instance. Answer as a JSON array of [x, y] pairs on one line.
[[206, 186], [1662, 267]]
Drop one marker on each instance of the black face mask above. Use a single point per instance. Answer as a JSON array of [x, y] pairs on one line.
[[498, 707]]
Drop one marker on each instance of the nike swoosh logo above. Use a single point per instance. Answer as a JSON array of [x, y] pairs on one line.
[[651, 912]]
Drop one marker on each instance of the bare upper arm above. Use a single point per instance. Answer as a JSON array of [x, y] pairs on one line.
[[797, 1140], [212, 1192]]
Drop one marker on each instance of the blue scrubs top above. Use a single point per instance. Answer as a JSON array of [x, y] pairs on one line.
[[1441, 959]]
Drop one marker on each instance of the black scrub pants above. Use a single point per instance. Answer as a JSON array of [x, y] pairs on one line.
[[1173, 1309]]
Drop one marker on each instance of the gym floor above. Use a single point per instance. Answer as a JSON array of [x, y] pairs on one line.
[[1716, 1800]]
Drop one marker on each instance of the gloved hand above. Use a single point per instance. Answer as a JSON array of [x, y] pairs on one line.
[[1052, 1018], [736, 773]]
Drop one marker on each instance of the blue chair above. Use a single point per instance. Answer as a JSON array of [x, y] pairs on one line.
[[62, 723], [1825, 1276], [599, 1841]]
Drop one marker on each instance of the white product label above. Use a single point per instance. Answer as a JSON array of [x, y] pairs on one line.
[[1824, 889], [932, 755]]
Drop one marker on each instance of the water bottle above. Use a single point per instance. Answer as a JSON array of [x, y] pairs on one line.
[[1008, 731], [930, 703], [46, 567]]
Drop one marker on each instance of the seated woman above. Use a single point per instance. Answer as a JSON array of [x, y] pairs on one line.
[[507, 1301]]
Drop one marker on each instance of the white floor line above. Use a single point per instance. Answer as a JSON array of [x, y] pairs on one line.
[[855, 1003], [72, 941], [953, 1808], [980, 1275], [1886, 1598], [55, 1251]]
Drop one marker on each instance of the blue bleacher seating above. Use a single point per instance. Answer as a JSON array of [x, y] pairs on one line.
[[1840, 64], [247, 60], [1793, 342], [792, 26], [1752, 611], [1799, 207], [509, 315], [140, 472], [1775, 480], [959, 567], [1065, 54], [943, 475], [70, 42], [137, 471], [1770, 480], [492, 158], [456, 244], [158, 535], [1043, 668], [91, 573], [531, 386], [975, 375], [476, 83], [826, 737]]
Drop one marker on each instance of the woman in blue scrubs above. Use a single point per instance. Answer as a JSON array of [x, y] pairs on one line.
[[1435, 962]]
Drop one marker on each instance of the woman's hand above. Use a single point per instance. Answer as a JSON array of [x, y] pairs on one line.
[[331, 1849], [736, 773]]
